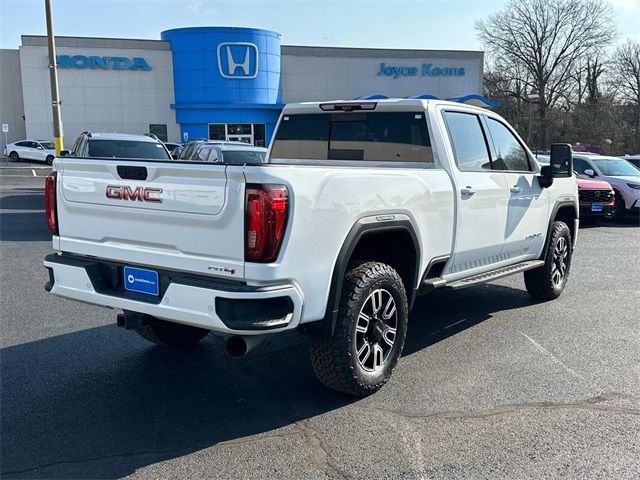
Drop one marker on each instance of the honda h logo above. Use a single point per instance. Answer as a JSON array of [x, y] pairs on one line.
[[238, 60]]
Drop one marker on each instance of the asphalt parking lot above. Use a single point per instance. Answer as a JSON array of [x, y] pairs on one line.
[[491, 384]]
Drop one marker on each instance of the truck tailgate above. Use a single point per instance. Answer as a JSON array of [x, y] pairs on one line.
[[172, 215]]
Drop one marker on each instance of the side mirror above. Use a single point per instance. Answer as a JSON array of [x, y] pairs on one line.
[[561, 160], [39, 147], [560, 165], [64, 153], [590, 173]]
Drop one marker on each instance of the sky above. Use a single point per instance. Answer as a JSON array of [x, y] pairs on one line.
[[403, 24]]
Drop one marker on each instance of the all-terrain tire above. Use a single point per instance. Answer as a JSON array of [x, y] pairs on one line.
[[170, 334], [335, 359], [620, 208], [547, 282]]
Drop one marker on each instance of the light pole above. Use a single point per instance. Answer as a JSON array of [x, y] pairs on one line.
[[53, 75]]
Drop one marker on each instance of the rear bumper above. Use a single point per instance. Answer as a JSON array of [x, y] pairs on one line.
[[227, 307]]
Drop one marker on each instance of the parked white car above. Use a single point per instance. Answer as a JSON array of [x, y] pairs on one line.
[[39, 150], [621, 174]]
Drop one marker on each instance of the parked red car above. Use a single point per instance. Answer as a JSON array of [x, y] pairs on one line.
[[597, 198]]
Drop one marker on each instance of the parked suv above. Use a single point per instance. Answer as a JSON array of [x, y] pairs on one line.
[[597, 198], [118, 145], [191, 150], [361, 207], [622, 175]]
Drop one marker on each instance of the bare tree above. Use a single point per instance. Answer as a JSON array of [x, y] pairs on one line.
[[626, 78], [547, 38]]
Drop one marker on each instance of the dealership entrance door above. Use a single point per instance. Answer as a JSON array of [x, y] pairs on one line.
[[251, 133]]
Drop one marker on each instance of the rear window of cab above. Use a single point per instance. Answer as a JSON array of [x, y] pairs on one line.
[[354, 136]]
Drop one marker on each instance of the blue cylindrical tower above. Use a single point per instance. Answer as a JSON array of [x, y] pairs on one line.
[[225, 75]]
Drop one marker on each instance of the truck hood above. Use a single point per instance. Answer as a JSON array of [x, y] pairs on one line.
[[589, 184]]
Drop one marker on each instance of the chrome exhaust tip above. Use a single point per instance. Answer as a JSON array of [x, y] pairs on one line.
[[240, 345]]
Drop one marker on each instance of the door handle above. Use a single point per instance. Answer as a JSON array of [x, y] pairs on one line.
[[467, 191], [515, 189]]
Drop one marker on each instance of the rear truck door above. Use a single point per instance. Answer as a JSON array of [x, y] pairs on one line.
[[170, 215]]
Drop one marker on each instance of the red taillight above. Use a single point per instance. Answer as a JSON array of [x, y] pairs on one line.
[[50, 203], [266, 219]]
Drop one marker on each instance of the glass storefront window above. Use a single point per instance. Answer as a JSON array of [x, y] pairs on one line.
[[253, 134], [238, 129], [259, 137], [217, 131]]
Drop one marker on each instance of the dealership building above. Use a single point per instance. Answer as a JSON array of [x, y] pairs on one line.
[[221, 83]]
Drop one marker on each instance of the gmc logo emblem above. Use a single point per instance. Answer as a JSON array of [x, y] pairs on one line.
[[140, 194]]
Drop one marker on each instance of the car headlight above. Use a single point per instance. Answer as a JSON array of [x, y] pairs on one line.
[[635, 186]]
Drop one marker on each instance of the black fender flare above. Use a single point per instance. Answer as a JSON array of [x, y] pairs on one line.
[[362, 228], [556, 208]]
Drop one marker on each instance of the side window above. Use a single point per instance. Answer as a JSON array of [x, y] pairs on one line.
[[22, 144], [579, 166], [510, 153], [468, 142], [213, 155]]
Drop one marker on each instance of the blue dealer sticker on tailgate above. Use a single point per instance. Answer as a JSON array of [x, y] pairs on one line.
[[141, 280]]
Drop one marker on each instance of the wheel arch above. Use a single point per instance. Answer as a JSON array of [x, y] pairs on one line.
[[370, 239], [567, 212]]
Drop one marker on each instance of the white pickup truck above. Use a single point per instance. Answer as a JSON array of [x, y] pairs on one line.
[[361, 207]]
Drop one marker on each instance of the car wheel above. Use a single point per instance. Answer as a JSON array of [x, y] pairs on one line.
[[370, 331], [169, 334], [620, 207], [50, 159], [548, 281], [14, 157]]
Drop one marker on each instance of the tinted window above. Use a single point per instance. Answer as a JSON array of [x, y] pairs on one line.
[[510, 155], [48, 145], [234, 156], [371, 136], [468, 142], [127, 149], [22, 144], [579, 166]]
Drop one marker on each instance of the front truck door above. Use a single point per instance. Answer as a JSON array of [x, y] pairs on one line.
[[528, 203], [481, 197]]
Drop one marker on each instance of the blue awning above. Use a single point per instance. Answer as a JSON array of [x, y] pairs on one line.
[[476, 100]]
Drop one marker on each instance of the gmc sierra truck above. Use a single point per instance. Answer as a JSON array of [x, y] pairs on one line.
[[361, 207]]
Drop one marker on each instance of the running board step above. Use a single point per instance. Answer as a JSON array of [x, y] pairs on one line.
[[495, 274]]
